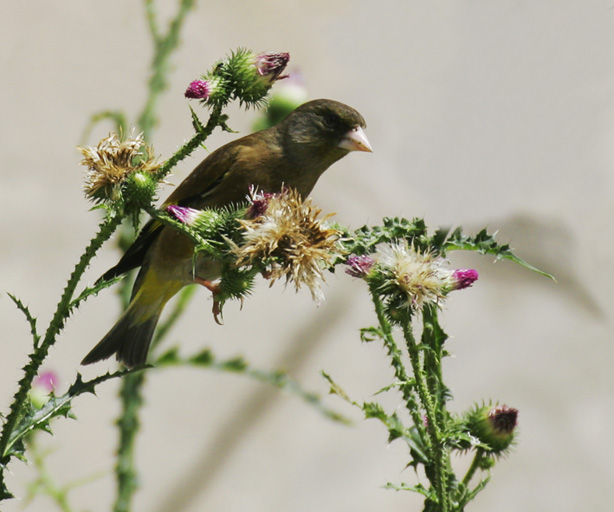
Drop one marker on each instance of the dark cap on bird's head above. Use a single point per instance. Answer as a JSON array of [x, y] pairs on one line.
[[330, 124]]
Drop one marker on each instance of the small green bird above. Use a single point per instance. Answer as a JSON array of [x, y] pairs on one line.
[[292, 154]]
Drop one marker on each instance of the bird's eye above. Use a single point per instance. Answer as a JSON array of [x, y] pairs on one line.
[[331, 121]]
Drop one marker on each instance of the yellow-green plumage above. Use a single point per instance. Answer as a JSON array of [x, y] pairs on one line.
[[293, 153]]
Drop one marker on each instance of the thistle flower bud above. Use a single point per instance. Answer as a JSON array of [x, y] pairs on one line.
[[204, 222], [270, 66], [359, 266], [244, 75], [494, 426], [183, 214], [463, 278], [43, 385], [198, 90], [251, 75]]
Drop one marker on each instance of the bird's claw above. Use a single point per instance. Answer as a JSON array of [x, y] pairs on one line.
[[215, 290]]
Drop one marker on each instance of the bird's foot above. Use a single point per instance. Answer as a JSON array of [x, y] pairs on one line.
[[215, 290]]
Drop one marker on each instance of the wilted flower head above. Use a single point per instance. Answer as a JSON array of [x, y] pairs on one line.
[[410, 275], [113, 162], [292, 238], [359, 266]]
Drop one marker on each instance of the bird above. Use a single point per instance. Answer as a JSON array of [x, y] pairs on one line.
[[291, 154]]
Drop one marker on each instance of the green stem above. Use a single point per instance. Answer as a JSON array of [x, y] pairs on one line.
[[106, 229], [129, 424], [475, 464], [399, 369], [440, 462], [215, 119], [45, 481], [163, 49]]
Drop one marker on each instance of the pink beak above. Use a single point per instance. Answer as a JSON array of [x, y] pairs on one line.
[[356, 140]]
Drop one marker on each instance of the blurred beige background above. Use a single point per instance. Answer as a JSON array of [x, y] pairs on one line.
[[497, 114]]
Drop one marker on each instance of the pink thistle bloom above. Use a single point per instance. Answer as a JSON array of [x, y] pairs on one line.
[[503, 419], [259, 202], [183, 214], [198, 90], [359, 266], [272, 65], [47, 381], [464, 278]]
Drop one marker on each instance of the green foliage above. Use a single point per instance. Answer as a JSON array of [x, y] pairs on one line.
[[31, 320], [279, 380], [434, 433], [430, 432], [485, 243]]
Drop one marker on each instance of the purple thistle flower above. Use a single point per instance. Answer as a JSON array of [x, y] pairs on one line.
[[464, 278], [47, 381], [183, 214], [271, 65], [259, 202], [503, 419], [359, 266], [198, 90]]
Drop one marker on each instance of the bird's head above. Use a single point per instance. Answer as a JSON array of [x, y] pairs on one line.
[[326, 129]]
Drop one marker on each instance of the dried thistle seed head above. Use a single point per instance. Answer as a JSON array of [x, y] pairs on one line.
[[414, 276], [293, 239], [112, 162]]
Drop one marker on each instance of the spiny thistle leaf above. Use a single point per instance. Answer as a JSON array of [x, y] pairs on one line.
[[369, 334], [485, 243], [31, 320], [92, 290], [419, 488], [196, 122], [277, 379], [38, 419]]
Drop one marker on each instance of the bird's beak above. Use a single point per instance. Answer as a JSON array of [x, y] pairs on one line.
[[356, 140]]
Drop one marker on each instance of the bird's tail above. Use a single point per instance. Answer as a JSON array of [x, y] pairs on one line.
[[130, 337]]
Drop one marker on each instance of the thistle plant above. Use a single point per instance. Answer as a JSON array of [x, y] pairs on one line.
[[408, 278], [279, 237], [121, 179]]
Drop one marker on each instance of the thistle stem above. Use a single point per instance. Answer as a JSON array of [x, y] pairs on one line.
[[164, 47], [475, 464], [129, 425], [106, 229], [439, 459], [399, 369]]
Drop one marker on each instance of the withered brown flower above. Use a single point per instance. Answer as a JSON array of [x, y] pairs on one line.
[[293, 238], [112, 161]]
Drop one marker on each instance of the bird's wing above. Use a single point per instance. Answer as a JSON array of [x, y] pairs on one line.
[[203, 181], [200, 183]]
